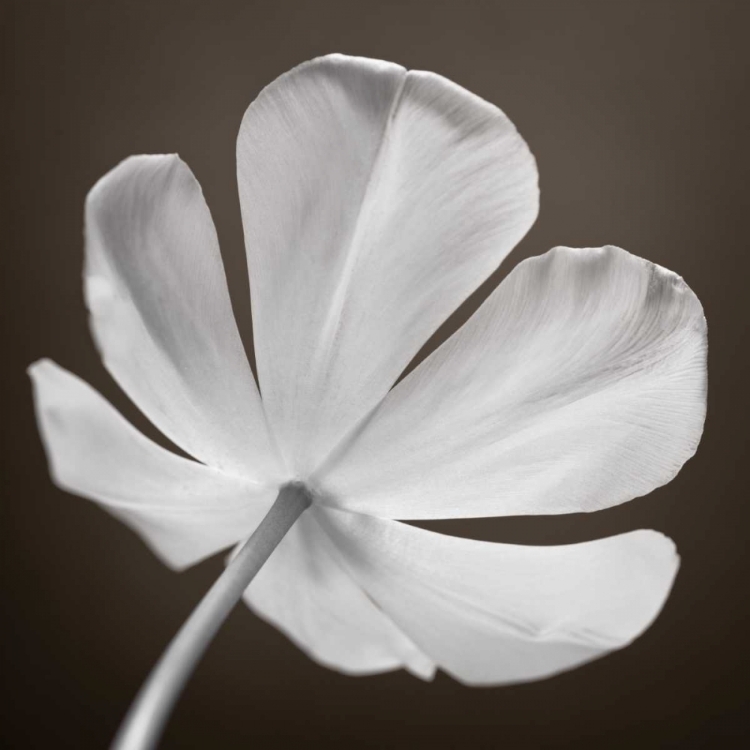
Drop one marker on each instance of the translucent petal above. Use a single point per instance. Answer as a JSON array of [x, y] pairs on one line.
[[491, 614], [161, 315], [373, 202], [579, 384], [304, 591], [184, 510]]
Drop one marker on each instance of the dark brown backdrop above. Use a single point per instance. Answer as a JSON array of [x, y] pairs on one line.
[[637, 114]]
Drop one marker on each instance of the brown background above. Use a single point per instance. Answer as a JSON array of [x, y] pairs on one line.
[[637, 114]]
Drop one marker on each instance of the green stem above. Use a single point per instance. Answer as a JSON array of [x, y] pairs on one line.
[[147, 717]]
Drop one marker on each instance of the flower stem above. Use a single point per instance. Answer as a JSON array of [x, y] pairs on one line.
[[147, 717]]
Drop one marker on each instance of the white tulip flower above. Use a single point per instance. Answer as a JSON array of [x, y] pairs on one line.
[[374, 201]]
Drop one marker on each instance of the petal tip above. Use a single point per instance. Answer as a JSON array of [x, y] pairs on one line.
[[126, 167], [36, 368]]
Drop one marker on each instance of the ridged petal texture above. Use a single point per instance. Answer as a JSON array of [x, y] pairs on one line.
[[374, 200], [579, 384], [161, 315]]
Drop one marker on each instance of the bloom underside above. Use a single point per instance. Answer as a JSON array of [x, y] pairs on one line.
[[374, 200]]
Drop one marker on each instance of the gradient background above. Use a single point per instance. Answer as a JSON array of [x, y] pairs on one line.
[[637, 114]]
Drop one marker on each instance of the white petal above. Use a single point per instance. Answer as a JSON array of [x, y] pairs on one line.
[[184, 510], [304, 592], [501, 613], [161, 315], [373, 202], [579, 384]]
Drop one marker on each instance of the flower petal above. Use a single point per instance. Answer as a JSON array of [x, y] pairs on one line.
[[579, 384], [501, 613], [161, 315], [373, 202], [305, 593], [184, 510]]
